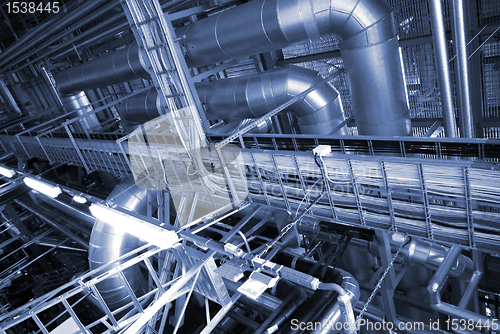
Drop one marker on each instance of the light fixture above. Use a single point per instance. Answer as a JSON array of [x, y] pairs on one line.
[[7, 172], [42, 187], [141, 229], [79, 199]]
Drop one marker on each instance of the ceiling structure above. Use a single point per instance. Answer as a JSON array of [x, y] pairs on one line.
[[254, 166]]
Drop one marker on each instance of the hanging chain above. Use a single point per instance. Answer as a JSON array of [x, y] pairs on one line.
[[379, 284]]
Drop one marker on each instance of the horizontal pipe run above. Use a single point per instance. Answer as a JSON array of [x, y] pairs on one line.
[[122, 65], [45, 31], [52, 223]]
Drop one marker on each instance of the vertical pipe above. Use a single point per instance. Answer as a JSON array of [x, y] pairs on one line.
[[441, 55], [8, 98], [466, 127]]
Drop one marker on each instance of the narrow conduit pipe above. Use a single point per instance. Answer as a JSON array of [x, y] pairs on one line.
[[437, 283], [369, 48], [44, 31], [442, 66], [466, 119], [108, 243]]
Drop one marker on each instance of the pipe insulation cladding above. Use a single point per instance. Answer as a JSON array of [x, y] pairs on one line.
[[252, 96], [369, 48], [109, 242], [120, 66]]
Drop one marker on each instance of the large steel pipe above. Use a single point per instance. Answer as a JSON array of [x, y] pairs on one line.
[[141, 108], [320, 112], [369, 47], [108, 243], [122, 65]]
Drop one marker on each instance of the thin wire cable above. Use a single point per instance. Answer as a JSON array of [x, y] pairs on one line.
[[379, 284]]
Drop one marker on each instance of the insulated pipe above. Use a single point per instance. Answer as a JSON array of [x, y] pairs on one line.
[[255, 95], [141, 108], [108, 243], [122, 65], [369, 48], [320, 112], [81, 104], [442, 66], [421, 252]]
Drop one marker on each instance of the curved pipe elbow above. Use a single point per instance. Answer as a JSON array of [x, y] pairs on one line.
[[320, 112], [274, 24], [108, 243]]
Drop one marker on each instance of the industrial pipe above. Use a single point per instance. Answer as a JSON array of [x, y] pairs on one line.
[[253, 96], [442, 67], [108, 243], [369, 48], [437, 283], [141, 108], [466, 120], [81, 105], [122, 65], [320, 112], [321, 305], [41, 33], [421, 252]]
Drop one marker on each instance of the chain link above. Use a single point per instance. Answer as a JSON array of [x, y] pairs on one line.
[[379, 285]]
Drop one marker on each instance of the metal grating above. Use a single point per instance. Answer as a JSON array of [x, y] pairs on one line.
[[245, 67], [491, 78], [488, 12]]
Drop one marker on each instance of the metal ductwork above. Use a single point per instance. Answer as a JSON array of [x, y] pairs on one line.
[[369, 48], [108, 243], [120, 66], [320, 112], [141, 108], [80, 103]]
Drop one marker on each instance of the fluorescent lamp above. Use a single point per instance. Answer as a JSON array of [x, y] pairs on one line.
[[79, 199], [42, 187], [7, 172], [141, 229]]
